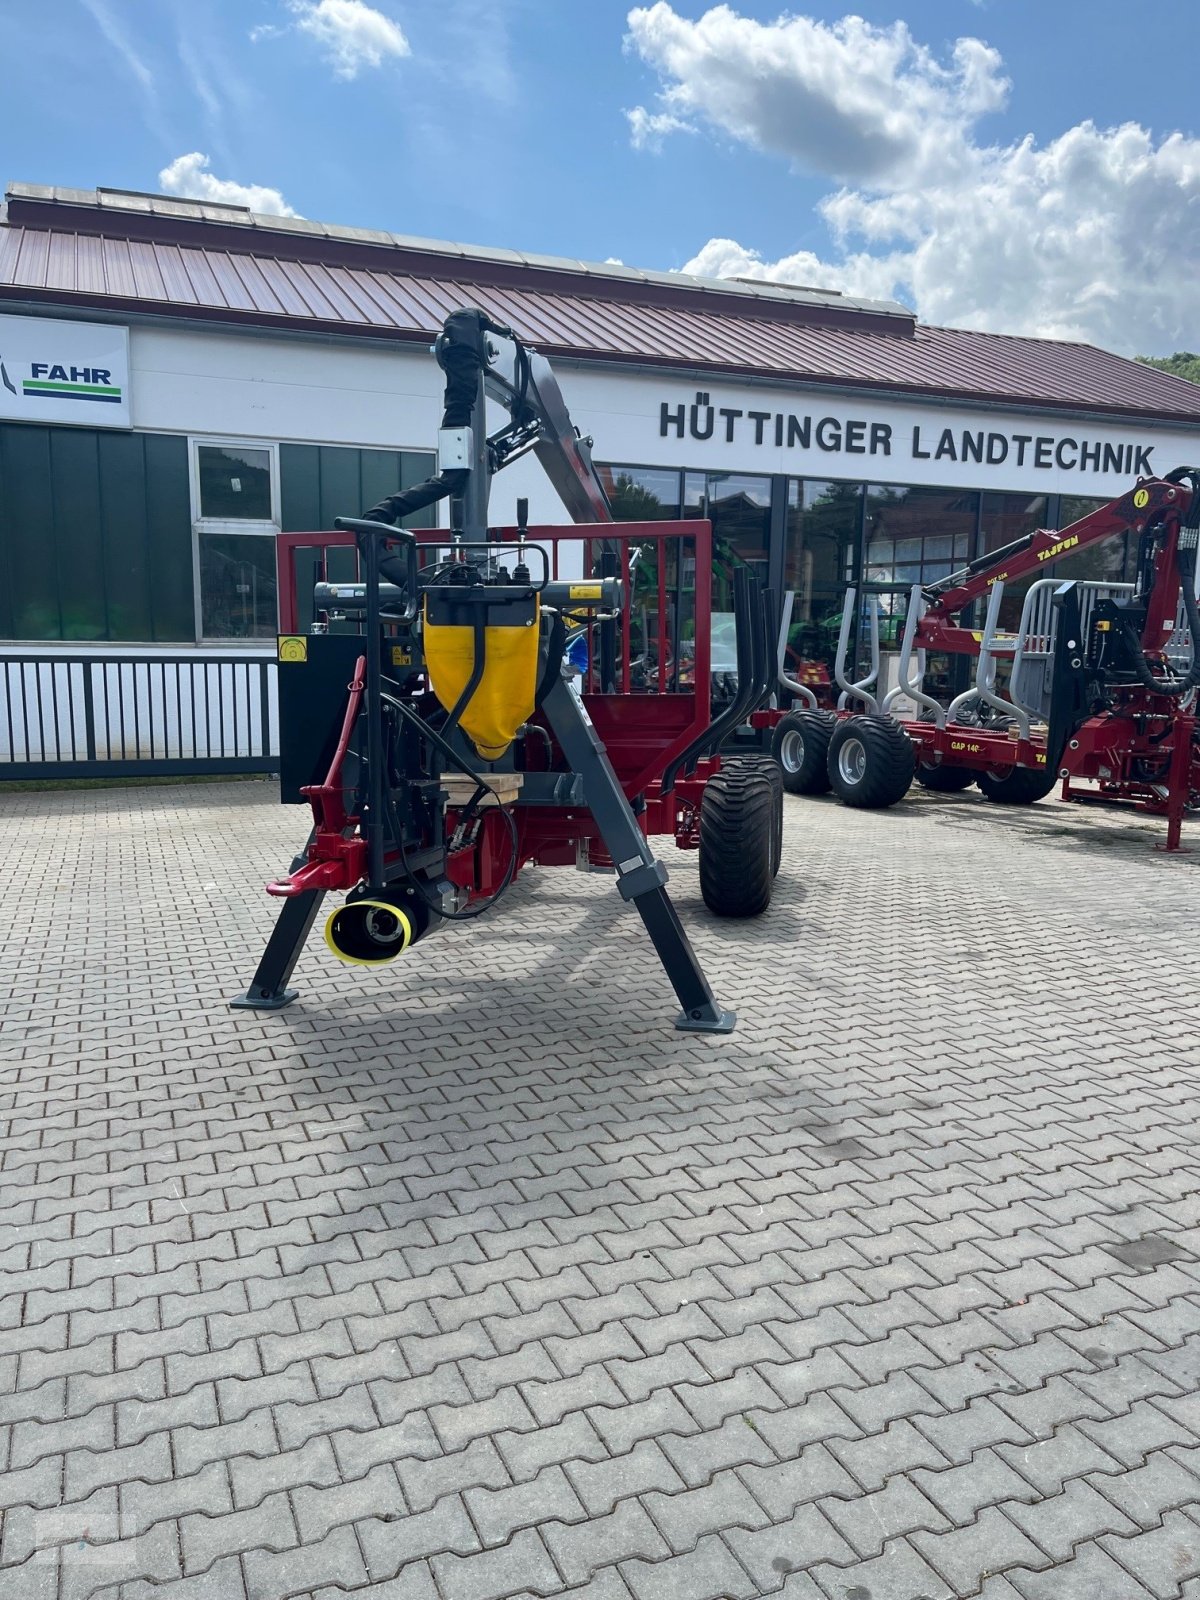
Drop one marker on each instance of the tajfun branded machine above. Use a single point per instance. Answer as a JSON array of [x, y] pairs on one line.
[[1096, 684], [469, 703]]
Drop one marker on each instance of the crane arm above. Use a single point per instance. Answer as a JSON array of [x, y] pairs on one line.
[[1137, 508], [482, 358]]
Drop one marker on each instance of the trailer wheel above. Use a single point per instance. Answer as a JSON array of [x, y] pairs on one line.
[[943, 779], [1016, 786], [737, 840], [774, 776], [871, 762], [800, 744]]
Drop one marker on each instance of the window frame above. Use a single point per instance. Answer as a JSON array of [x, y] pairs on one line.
[[248, 527]]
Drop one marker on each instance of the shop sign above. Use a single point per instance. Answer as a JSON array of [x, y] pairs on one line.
[[52, 371], [908, 445]]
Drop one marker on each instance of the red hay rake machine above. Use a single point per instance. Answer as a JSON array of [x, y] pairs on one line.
[[468, 704], [1096, 685]]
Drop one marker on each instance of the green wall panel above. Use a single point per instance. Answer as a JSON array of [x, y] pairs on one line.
[[123, 537], [95, 535], [320, 482], [169, 537], [78, 543], [26, 525], [341, 484], [383, 474], [299, 488]]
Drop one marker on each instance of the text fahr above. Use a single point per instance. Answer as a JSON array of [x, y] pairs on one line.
[[42, 369]]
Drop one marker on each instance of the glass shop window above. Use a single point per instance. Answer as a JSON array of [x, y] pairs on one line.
[[234, 483], [910, 536], [1003, 518], [824, 525], [641, 494], [235, 518], [915, 536], [1111, 560], [237, 586], [739, 507]]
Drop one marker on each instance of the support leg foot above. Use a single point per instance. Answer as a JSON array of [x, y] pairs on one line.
[[709, 1020], [268, 989], [253, 1000]]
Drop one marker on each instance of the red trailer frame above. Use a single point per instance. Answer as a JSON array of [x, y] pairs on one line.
[[643, 730]]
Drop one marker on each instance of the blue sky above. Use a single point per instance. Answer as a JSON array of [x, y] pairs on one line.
[[505, 122]]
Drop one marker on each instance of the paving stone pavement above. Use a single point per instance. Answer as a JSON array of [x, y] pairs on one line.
[[471, 1279]]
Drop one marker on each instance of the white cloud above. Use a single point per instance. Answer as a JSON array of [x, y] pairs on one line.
[[1093, 236], [876, 277], [850, 101], [647, 129], [351, 35], [189, 178]]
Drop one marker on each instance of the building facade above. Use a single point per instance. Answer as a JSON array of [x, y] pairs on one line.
[[179, 382]]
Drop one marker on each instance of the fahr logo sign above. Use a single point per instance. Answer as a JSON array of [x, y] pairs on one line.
[[53, 371]]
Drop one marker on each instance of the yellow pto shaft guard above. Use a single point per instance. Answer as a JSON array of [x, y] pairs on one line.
[[504, 697]]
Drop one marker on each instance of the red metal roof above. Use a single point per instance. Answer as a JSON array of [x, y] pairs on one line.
[[176, 266]]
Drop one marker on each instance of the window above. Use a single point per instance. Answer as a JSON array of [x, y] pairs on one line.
[[234, 483], [642, 494], [237, 586], [235, 509], [915, 536], [739, 507], [1111, 560], [824, 523], [1005, 518]]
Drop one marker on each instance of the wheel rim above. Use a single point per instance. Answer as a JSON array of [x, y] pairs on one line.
[[791, 751], [999, 774], [852, 761]]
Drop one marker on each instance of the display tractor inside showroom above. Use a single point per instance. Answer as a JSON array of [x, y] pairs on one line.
[[1097, 683], [459, 705]]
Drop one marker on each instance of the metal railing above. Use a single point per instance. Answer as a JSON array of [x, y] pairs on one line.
[[107, 714]]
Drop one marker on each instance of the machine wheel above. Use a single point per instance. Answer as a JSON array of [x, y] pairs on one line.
[[800, 744], [774, 776], [871, 762], [738, 837], [945, 780], [1016, 786]]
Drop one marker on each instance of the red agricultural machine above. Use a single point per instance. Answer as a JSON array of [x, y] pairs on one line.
[[1096, 684], [464, 705]]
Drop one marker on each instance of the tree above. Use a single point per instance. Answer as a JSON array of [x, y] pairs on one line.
[[1184, 364]]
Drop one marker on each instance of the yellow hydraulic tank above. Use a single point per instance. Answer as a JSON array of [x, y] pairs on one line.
[[504, 696]]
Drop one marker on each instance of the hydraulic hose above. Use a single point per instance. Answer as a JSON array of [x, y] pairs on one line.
[[461, 354], [469, 913]]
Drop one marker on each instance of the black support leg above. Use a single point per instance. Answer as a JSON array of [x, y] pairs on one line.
[[268, 989], [640, 878]]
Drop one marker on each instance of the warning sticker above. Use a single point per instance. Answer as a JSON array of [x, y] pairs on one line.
[[1141, 498], [586, 591], [293, 647]]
